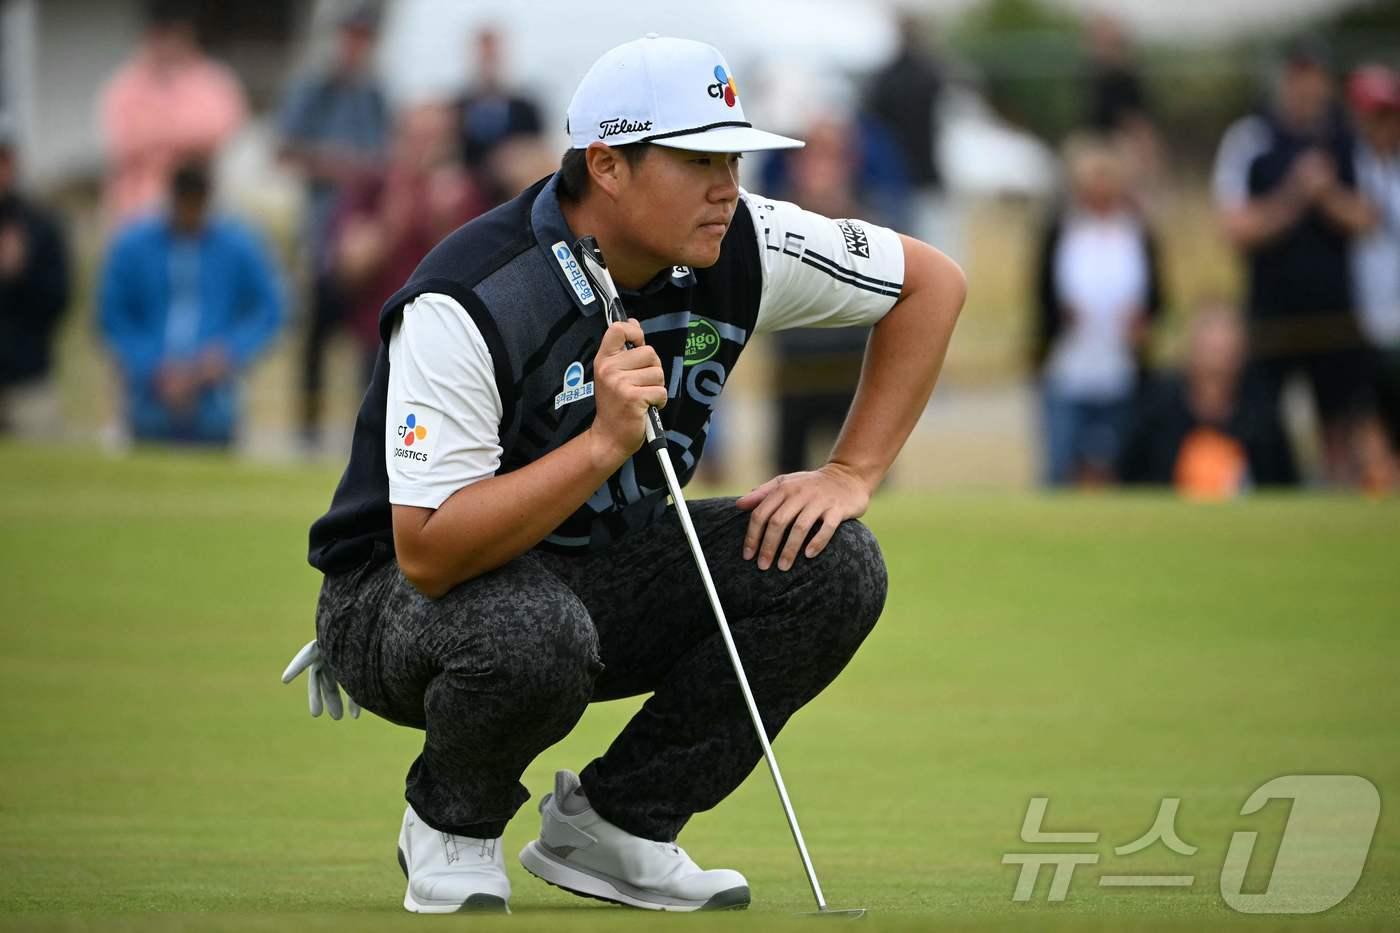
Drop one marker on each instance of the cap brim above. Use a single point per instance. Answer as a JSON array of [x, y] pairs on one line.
[[730, 139]]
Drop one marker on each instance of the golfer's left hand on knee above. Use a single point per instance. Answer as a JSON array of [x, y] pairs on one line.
[[322, 692], [793, 504]]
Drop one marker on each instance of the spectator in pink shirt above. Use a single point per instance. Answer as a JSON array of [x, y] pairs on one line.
[[168, 104]]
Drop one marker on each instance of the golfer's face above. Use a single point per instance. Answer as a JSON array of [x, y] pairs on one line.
[[680, 204]]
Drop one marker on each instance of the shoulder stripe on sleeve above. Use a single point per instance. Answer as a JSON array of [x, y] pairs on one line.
[[818, 261], [840, 276]]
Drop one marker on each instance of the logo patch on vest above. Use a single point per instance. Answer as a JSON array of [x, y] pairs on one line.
[[701, 341], [573, 272], [574, 386], [857, 243]]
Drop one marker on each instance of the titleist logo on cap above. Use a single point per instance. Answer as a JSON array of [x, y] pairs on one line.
[[619, 125]]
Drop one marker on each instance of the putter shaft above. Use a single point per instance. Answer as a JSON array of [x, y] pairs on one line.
[[596, 269]]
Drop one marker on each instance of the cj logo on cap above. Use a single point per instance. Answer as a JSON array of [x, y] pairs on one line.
[[724, 86]]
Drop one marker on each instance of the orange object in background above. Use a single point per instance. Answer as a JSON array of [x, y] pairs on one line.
[[1211, 466]]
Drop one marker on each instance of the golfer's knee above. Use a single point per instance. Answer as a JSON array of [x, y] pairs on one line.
[[548, 650], [858, 575]]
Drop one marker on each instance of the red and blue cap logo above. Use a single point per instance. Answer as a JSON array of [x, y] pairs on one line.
[[724, 87]]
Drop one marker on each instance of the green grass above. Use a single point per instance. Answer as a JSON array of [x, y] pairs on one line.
[[1106, 651]]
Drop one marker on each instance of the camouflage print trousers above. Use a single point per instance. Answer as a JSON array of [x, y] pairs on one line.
[[503, 665]]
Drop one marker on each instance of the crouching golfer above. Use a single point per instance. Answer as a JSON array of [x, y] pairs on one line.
[[500, 552]]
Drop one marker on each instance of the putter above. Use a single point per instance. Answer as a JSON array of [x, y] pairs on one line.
[[591, 259]]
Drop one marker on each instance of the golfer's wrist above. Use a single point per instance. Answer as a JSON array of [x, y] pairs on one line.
[[867, 475], [606, 455]]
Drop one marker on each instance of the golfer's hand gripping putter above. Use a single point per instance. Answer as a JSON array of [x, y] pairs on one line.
[[596, 269]]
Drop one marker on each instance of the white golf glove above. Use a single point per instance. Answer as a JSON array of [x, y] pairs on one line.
[[321, 689]]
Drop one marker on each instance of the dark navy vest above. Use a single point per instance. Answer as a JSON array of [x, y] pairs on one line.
[[543, 326]]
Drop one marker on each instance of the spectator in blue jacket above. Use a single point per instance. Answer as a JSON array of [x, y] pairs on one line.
[[188, 300]]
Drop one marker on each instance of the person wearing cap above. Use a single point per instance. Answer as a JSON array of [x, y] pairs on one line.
[[1285, 190], [500, 552], [1374, 93]]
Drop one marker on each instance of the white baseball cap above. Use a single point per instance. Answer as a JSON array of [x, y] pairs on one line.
[[671, 92]]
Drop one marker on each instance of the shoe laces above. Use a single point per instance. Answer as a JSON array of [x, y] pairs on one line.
[[454, 846]]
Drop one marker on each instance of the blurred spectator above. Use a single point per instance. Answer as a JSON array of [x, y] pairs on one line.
[[1099, 289], [168, 104], [387, 223], [188, 299], [491, 114], [904, 97], [1116, 96], [1118, 102], [1375, 99], [1285, 187], [335, 128], [1201, 430], [34, 291]]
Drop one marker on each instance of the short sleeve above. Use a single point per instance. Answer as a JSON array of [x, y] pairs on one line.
[[1245, 141], [442, 428], [820, 272]]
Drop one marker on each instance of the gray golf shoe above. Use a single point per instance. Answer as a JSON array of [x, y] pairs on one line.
[[584, 854]]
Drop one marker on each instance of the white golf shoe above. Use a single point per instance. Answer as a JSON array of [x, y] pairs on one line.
[[584, 854], [448, 873]]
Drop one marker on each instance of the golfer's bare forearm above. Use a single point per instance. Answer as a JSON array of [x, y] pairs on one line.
[[902, 362], [484, 525]]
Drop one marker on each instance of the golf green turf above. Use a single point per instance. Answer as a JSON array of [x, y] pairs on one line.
[[1103, 651]]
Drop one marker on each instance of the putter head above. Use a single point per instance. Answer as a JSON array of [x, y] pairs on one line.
[[850, 913], [595, 269]]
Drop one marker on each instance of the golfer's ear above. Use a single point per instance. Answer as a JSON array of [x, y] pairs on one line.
[[606, 167]]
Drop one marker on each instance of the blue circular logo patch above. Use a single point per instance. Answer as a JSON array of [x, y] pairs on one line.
[[573, 376]]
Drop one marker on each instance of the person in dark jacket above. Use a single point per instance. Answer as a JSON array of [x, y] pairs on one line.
[[1205, 430], [34, 291], [492, 115], [1286, 195]]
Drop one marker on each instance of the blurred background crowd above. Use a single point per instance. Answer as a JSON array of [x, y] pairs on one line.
[[1181, 222]]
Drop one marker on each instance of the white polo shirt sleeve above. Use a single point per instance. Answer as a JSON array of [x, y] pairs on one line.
[[819, 272], [1246, 140], [442, 428]]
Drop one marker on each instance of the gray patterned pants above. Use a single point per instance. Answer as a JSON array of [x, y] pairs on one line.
[[503, 665]]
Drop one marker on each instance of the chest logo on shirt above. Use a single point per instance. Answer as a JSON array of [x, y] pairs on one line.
[[415, 437], [574, 386], [701, 341], [857, 243], [573, 272]]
